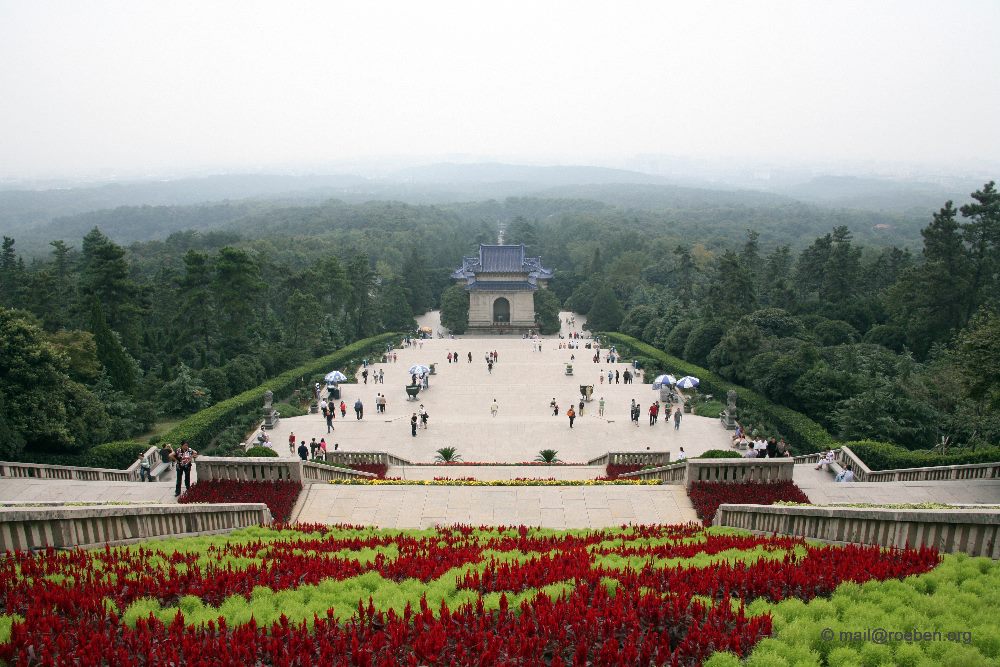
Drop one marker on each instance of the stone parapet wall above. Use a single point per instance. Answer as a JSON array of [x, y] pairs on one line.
[[365, 458], [267, 469], [973, 531], [862, 473], [631, 458], [93, 526], [18, 470], [720, 470]]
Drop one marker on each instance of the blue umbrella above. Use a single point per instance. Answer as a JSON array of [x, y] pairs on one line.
[[418, 370], [335, 377], [688, 382], [665, 379]]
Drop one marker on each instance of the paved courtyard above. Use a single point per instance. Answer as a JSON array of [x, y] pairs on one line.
[[523, 382]]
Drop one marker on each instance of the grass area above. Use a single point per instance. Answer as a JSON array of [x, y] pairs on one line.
[[159, 429]]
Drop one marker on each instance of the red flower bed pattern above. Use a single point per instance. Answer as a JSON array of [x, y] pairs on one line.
[[651, 616], [614, 470], [707, 496], [279, 497]]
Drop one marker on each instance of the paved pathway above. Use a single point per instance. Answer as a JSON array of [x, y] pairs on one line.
[[48, 490], [523, 382], [550, 507], [819, 487], [497, 472]]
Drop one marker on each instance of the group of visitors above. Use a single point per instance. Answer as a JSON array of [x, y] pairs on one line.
[[453, 357], [329, 410], [827, 461], [378, 377], [420, 416], [619, 378], [380, 403]]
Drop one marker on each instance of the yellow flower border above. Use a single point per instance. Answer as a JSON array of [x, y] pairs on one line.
[[494, 482]]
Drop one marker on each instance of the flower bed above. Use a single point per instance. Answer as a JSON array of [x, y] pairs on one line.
[[471, 481], [377, 469], [279, 497], [487, 463], [707, 496], [613, 471], [455, 595]]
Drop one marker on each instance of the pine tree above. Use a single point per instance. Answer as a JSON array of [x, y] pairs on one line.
[[606, 313], [123, 371]]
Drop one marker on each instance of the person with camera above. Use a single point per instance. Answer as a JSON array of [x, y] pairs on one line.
[[184, 457]]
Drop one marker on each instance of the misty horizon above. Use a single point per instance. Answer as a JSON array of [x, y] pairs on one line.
[[107, 91]]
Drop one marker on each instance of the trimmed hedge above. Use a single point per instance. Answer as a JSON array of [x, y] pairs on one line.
[[887, 456], [803, 434], [720, 454], [261, 451], [117, 455], [200, 428]]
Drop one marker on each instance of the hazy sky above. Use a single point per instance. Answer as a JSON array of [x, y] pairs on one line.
[[128, 86]]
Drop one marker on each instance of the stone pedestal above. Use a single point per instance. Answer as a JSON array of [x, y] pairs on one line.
[[728, 419], [270, 418]]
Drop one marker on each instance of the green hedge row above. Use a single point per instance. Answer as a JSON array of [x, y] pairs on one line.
[[887, 456], [200, 428], [803, 434], [117, 455]]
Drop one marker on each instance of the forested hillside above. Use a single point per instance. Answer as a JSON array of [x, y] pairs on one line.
[[824, 311]]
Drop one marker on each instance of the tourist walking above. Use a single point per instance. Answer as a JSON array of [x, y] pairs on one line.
[[423, 416], [677, 419], [329, 419], [470, 357], [291, 443], [413, 425], [494, 407], [555, 407], [359, 408], [343, 409], [600, 406], [616, 376], [572, 415], [303, 451]]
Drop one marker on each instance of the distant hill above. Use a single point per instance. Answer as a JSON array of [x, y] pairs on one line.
[[532, 177], [874, 194]]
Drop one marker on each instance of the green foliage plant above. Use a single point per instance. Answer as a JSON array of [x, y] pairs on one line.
[[261, 451], [548, 456], [887, 456], [447, 455], [202, 427], [802, 433]]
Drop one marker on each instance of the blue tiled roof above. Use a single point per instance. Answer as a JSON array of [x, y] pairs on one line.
[[501, 286], [501, 258]]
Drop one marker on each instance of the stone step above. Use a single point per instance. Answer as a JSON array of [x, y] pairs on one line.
[[497, 472], [549, 507]]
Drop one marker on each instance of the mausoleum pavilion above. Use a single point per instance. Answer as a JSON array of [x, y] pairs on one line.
[[501, 281]]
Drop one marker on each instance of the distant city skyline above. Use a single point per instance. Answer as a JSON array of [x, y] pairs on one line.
[[106, 90]]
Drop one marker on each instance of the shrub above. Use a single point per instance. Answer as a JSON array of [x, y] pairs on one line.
[[202, 427], [887, 456], [708, 408], [707, 496], [720, 454], [802, 433], [289, 410], [261, 451], [118, 455]]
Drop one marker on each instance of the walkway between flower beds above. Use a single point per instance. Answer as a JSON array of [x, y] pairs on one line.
[[497, 472], [549, 507]]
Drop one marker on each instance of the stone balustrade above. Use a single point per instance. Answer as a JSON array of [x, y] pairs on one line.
[[719, 470], [93, 526], [365, 458], [317, 472], [17, 470], [862, 473], [971, 531], [675, 473], [268, 469], [631, 458]]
